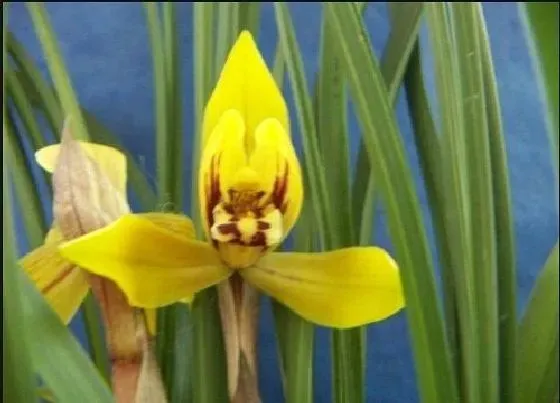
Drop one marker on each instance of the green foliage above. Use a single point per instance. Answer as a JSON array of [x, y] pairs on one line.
[[468, 344]]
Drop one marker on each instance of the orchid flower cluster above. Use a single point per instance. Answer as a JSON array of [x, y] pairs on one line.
[[250, 196]]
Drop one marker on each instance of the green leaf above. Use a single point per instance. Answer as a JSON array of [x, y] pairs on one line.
[[168, 111], [541, 23], [208, 350], [54, 60], [164, 168], [203, 23], [454, 176], [405, 23], [227, 27], [19, 383], [36, 86], [332, 136], [173, 91], [57, 356], [348, 350], [314, 167], [32, 212], [249, 16], [537, 344], [25, 111], [469, 53], [386, 150], [505, 240], [429, 151], [294, 334]]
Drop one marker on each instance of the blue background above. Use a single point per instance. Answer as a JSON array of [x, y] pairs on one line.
[[107, 53]]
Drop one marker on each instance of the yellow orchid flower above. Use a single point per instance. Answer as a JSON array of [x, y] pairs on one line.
[[250, 194], [89, 192], [63, 284]]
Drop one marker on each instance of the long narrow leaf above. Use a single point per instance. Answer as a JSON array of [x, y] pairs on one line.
[[227, 27], [541, 21], [454, 176], [32, 212], [173, 104], [203, 22], [481, 198], [386, 150], [537, 344], [295, 335], [25, 110], [507, 284], [313, 163], [348, 350], [18, 385], [59, 75], [405, 23], [208, 351], [41, 93], [249, 13], [429, 151], [73, 378]]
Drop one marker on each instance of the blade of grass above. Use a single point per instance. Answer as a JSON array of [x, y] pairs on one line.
[[43, 95], [541, 23], [208, 351], [429, 150], [178, 327], [249, 17], [481, 199], [294, 335], [456, 197], [19, 382], [73, 378], [173, 102], [386, 150], [54, 60], [25, 111], [314, 164], [349, 345], [537, 343], [168, 150], [31, 210], [21, 102], [203, 22], [405, 23], [163, 140], [332, 137], [227, 28], [507, 284], [348, 351]]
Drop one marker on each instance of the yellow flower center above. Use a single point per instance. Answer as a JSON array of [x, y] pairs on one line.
[[251, 188], [245, 223]]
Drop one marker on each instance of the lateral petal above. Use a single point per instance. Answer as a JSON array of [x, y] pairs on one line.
[[153, 267], [62, 284], [341, 289]]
